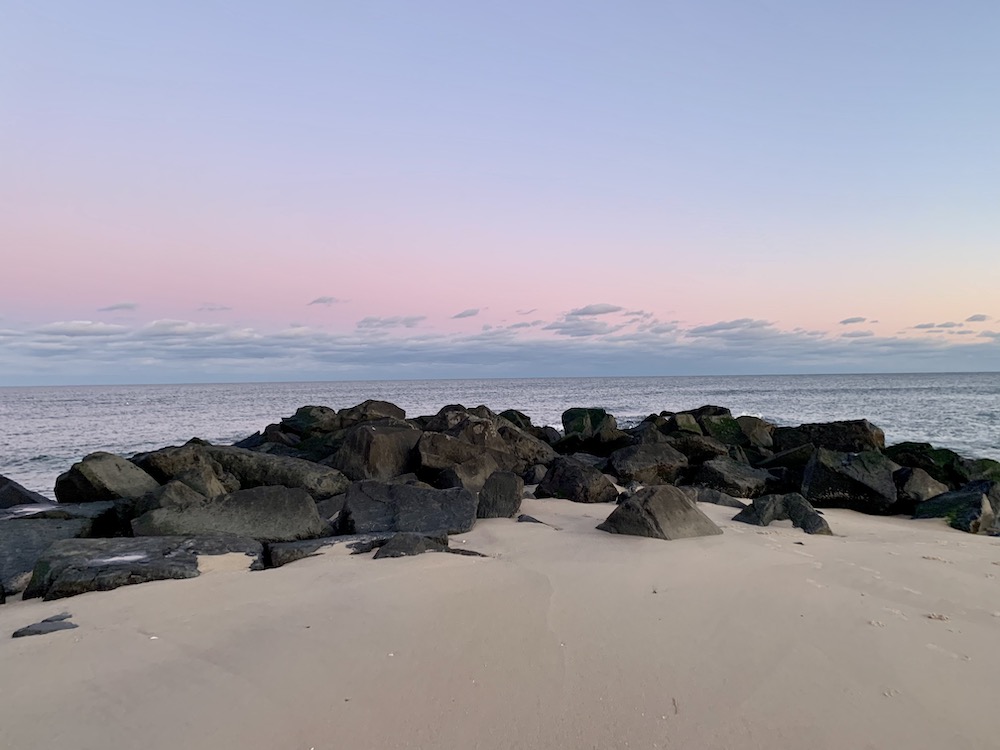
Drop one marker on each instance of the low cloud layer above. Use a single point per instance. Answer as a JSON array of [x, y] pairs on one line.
[[120, 307]]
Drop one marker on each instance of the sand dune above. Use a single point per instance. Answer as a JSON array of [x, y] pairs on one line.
[[568, 638]]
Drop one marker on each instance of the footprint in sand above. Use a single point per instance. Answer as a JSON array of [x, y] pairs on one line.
[[936, 558], [908, 590], [817, 584], [946, 652]]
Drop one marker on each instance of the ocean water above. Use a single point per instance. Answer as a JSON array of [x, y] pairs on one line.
[[43, 430]]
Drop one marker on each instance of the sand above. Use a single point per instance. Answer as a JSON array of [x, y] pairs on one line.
[[885, 636]]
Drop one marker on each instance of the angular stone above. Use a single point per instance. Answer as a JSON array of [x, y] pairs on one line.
[[661, 512], [22, 542], [253, 469], [732, 477], [682, 423], [708, 495], [372, 506], [791, 507], [725, 429], [501, 495], [48, 625], [850, 436], [470, 474], [12, 493], [966, 509], [370, 410], [697, 448], [437, 452], [190, 463], [283, 553], [267, 514], [409, 544], [757, 431], [570, 479], [377, 451], [102, 476], [75, 566], [859, 481], [310, 421], [914, 486], [649, 463]]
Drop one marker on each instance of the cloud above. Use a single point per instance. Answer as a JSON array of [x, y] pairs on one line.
[[526, 312], [579, 327], [949, 324], [212, 307], [924, 326], [80, 328], [396, 321], [119, 306], [324, 301], [471, 312], [852, 321], [726, 326], [857, 334], [601, 308], [977, 318], [638, 314]]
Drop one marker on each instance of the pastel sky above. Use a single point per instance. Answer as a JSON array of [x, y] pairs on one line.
[[211, 191]]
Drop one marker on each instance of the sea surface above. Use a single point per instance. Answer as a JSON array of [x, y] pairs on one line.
[[43, 430]]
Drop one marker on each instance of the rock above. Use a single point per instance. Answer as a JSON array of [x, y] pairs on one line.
[[968, 509], [262, 470], [22, 542], [725, 429], [535, 474], [102, 518], [732, 477], [500, 496], [437, 452], [189, 463], [649, 463], [647, 432], [708, 410], [379, 450], [914, 486], [708, 495], [75, 566], [267, 514], [681, 423], [12, 493], [697, 448], [470, 474], [369, 411], [372, 506], [591, 430], [528, 448], [941, 464], [408, 544], [571, 479], [310, 421], [102, 476], [48, 625], [859, 481], [661, 512], [524, 518], [282, 553], [517, 418], [791, 507], [758, 432], [851, 436], [204, 481]]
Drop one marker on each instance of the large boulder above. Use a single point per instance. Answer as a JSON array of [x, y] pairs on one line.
[[732, 477], [529, 448], [377, 450], [372, 506], [471, 474], [189, 463], [943, 464], [12, 493], [570, 479], [859, 481], [408, 544], [369, 411], [252, 469], [22, 542], [648, 463], [967, 509], [696, 447], [267, 514], [791, 507], [660, 512], [758, 431], [500, 496], [850, 436], [725, 429], [591, 430], [310, 421], [914, 486], [708, 495], [75, 566], [102, 476]]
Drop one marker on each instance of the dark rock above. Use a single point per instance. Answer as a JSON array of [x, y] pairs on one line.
[[940, 463], [571, 479], [791, 507], [380, 451], [725, 429], [650, 463], [708, 495], [103, 517], [535, 474], [409, 544], [859, 481], [758, 432], [732, 477], [708, 410], [75, 566], [48, 625], [310, 421], [331, 506], [647, 432], [968, 509], [282, 553], [189, 463], [592, 431], [102, 476], [369, 411], [501, 495], [267, 514], [661, 512], [517, 418], [373, 506], [470, 474], [914, 486], [437, 452], [681, 423], [529, 449], [262, 470], [697, 448], [12, 493], [524, 518], [22, 542], [851, 436]]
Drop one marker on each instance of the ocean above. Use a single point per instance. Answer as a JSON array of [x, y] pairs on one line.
[[43, 430]]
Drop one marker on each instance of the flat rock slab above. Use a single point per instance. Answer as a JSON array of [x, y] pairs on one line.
[[660, 512], [791, 507], [102, 476], [75, 566], [12, 493], [379, 506], [409, 544], [282, 553], [48, 625], [24, 540]]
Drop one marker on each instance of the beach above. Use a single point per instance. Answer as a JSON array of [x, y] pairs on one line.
[[881, 636]]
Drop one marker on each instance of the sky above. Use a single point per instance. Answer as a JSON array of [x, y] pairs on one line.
[[218, 191]]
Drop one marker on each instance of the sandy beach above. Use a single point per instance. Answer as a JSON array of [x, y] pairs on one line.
[[883, 636]]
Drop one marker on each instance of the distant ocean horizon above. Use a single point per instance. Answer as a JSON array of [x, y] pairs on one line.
[[44, 429]]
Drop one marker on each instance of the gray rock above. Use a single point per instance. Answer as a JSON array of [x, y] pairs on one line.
[[438, 452], [851, 436], [697, 448], [24, 540], [12, 493], [75, 566], [189, 463], [732, 477], [859, 481], [102, 476], [535, 474], [914, 486], [369, 411], [661, 512], [569, 479], [253, 469], [757, 431], [968, 509], [591, 430], [372, 506], [500, 496], [649, 463], [283, 553], [791, 507], [48, 625], [267, 514], [377, 451], [470, 474], [409, 544], [310, 421], [708, 495], [725, 429]]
